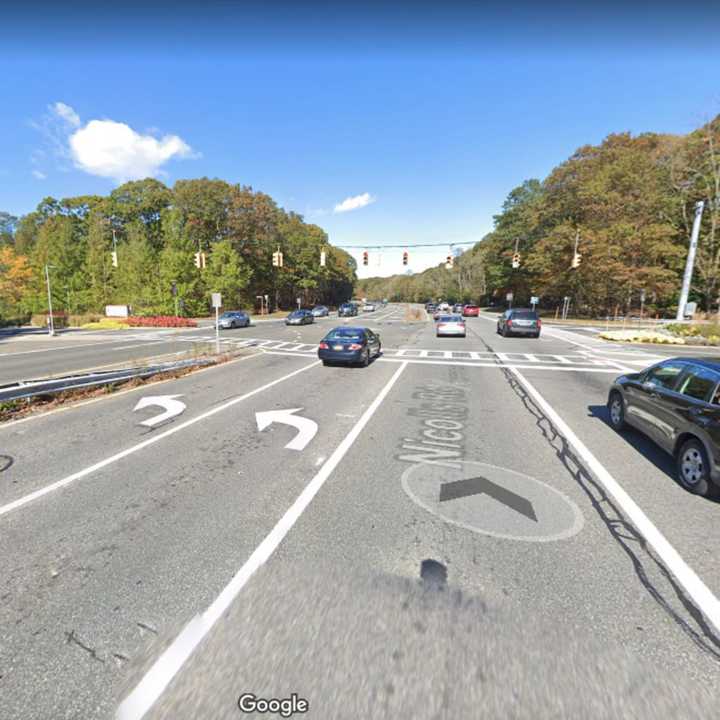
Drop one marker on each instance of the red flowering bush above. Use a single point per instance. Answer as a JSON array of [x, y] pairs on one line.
[[159, 321]]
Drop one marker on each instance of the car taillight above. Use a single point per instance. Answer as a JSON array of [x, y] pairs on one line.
[[539, 322], [354, 346], [509, 322], [441, 325], [324, 346]]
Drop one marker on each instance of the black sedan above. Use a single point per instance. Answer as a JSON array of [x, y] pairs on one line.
[[350, 345], [300, 317], [676, 403]]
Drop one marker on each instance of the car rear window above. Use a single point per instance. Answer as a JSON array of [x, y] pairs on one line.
[[471, 307], [524, 315], [345, 334], [451, 318], [699, 383]]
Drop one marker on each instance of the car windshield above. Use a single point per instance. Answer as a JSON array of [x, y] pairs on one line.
[[345, 334]]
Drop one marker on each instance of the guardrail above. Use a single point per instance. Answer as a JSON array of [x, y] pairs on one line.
[[32, 388]]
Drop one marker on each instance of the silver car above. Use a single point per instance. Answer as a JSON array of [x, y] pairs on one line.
[[233, 319], [320, 311], [450, 325]]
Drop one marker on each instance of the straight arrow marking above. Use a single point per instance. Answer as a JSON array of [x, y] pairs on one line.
[[306, 427], [482, 486]]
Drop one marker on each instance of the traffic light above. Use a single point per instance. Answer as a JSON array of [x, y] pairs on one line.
[[114, 258], [577, 259], [405, 258], [449, 262], [199, 259], [516, 260], [322, 258], [278, 259], [365, 257]]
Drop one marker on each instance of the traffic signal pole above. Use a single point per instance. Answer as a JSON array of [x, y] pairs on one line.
[[687, 277]]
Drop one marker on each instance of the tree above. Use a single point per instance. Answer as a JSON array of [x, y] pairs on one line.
[[227, 274], [15, 278], [8, 224]]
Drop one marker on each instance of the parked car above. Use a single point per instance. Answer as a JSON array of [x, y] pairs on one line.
[[234, 319], [369, 307], [430, 308], [471, 311], [519, 322], [349, 345], [458, 308], [347, 310], [299, 317], [676, 403], [450, 325], [320, 311]]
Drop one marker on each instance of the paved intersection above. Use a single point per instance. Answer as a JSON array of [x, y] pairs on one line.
[[269, 570]]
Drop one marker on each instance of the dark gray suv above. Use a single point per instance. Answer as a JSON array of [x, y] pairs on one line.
[[676, 403], [519, 322]]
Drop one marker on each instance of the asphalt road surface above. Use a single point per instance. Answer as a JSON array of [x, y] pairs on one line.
[[441, 546]]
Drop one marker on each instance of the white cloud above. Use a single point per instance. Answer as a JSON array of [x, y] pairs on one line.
[[354, 202], [114, 150], [107, 148], [39, 175], [66, 113]]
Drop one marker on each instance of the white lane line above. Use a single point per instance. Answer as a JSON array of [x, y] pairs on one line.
[[63, 347], [20, 502], [700, 594], [430, 361], [145, 344], [167, 666]]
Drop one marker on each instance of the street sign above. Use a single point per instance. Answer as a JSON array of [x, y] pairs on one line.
[[299, 302], [509, 297], [534, 300], [690, 309], [216, 300]]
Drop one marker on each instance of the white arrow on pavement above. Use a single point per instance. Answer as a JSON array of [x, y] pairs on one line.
[[172, 407], [305, 426]]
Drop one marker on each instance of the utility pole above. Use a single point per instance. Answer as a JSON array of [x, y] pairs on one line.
[[687, 277], [47, 280]]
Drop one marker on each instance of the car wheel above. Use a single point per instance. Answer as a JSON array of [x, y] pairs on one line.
[[325, 362], [366, 359], [504, 332], [616, 410], [693, 468]]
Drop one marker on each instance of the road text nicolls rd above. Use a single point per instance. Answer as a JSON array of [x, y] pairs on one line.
[[443, 411]]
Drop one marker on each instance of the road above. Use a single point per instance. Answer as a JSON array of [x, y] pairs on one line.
[[438, 548]]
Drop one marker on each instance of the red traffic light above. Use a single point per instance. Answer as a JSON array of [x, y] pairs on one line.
[[365, 257], [405, 258]]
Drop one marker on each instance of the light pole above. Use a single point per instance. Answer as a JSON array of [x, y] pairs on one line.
[[687, 277], [50, 310]]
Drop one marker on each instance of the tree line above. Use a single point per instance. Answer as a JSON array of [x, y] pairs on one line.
[[628, 202], [156, 232]]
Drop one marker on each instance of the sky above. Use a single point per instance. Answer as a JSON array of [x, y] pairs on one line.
[[384, 123]]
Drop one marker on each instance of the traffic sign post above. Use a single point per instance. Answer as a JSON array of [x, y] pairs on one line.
[[217, 303], [509, 298], [534, 300]]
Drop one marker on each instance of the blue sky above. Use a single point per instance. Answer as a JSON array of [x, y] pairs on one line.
[[435, 116]]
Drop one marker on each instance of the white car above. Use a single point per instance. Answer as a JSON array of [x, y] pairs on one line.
[[450, 325], [369, 307], [444, 306]]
